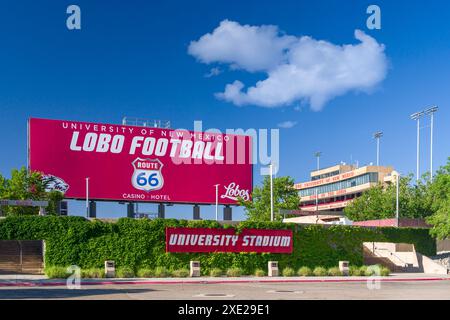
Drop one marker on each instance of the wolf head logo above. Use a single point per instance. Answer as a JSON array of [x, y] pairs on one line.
[[53, 183]]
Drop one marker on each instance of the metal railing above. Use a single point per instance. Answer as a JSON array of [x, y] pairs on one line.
[[405, 264], [140, 122]]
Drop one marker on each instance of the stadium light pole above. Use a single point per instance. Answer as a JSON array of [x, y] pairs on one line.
[[87, 197], [416, 116], [217, 201], [271, 192], [431, 112], [397, 194], [377, 136], [317, 155]]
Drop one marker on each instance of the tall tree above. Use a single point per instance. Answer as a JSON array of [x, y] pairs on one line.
[[24, 185], [379, 202], [439, 197], [284, 197]]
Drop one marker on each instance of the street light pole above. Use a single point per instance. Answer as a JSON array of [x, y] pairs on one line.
[[377, 136], [271, 192], [397, 207], [431, 112]]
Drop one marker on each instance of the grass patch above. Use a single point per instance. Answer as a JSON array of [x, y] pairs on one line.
[[125, 272], [145, 273], [56, 272], [162, 272], [216, 272], [181, 273], [93, 273], [234, 272]]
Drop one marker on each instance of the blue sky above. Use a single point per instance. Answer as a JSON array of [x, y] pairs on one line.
[[132, 60]]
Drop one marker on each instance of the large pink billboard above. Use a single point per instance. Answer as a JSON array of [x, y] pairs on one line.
[[130, 163]]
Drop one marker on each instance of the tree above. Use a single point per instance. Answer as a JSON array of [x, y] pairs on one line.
[[284, 197], [439, 197], [379, 202], [24, 185]]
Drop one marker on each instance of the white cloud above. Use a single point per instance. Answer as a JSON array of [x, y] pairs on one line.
[[298, 68], [287, 124], [213, 72], [245, 47]]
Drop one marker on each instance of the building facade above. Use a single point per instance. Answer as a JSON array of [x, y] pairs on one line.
[[333, 188]]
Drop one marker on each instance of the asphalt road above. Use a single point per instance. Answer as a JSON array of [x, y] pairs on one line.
[[240, 291]]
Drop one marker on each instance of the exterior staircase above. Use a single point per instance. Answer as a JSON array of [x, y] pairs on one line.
[[23, 256], [371, 258]]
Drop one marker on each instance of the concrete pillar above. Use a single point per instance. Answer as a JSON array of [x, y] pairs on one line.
[[196, 212], [92, 209], [161, 211], [130, 210], [227, 213]]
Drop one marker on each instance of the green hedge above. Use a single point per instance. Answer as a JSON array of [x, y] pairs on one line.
[[140, 243]]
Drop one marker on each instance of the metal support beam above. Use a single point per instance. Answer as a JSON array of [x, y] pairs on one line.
[[196, 212], [227, 213], [130, 210], [161, 211], [92, 209]]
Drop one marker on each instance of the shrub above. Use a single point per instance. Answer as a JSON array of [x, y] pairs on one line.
[[95, 273], [372, 270], [162, 272], [145, 273], [124, 272], [216, 272], [181, 273], [234, 272], [320, 271], [364, 272], [354, 271], [260, 273], [54, 272], [385, 271], [288, 272], [304, 272], [334, 271]]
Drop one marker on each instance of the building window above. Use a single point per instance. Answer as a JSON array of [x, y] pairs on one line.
[[344, 184]]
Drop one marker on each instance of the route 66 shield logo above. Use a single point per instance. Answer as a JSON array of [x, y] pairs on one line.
[[147, 174]]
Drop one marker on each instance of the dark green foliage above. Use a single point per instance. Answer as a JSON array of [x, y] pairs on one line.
[[140, 244], [285, 196], [24, 185]]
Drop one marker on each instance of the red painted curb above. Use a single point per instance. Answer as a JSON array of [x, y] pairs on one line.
[[141, 282]]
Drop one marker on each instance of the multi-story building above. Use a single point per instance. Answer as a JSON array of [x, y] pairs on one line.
[[333, 188]]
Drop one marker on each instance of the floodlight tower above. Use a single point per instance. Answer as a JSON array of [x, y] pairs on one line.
[[416, 116], [317, 155], [377, 136], [431, 112]]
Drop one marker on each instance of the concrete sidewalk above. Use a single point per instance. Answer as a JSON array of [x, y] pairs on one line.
[[40, 280]]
